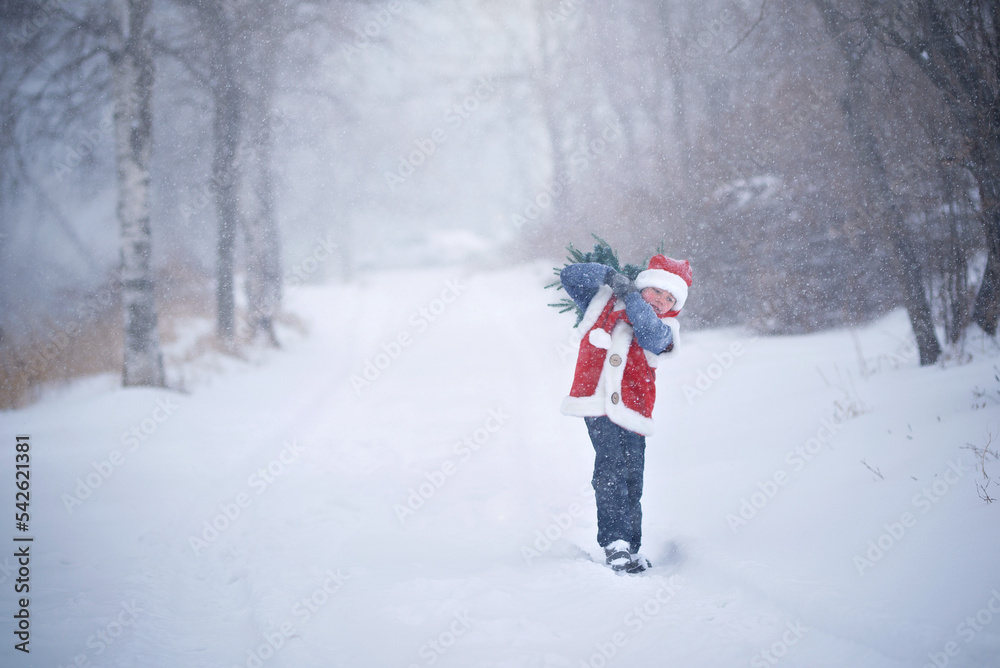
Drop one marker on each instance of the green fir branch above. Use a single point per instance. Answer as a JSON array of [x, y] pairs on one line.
[[604, 254]]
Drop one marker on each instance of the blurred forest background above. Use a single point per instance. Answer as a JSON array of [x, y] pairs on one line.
[[820, 162]]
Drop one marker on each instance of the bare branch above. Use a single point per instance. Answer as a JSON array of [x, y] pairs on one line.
[[183, 59], [760, 18], [873, 470], [66, 69]]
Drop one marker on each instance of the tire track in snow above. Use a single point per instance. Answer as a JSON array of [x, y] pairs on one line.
[[217, 597]]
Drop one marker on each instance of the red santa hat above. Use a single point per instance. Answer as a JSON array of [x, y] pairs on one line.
[[668, 274]]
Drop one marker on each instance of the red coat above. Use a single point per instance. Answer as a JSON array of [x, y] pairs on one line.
[[614, 376]]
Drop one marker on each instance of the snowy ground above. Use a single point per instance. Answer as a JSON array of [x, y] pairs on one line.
[[440, 513]]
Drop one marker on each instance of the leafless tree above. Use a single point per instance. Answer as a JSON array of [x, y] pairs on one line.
[[882, 207], [132, 66], [956, 45], [77, 39]]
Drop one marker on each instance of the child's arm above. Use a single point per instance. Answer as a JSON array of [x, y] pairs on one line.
[[650, 332], [582, 281]]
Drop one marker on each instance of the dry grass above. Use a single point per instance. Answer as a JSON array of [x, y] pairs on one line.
[[57, 353], [71, 345], [60, 352]]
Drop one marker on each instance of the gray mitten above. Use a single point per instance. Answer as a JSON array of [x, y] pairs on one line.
[[620, 284]]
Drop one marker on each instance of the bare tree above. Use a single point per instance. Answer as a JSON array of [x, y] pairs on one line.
[[956, 45], [883, 210], [132, 65], [227, 126], [263, 242], [243, 41], [118, 30]]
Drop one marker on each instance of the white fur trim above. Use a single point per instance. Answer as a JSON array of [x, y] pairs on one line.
[[609, 382], [624, 416], [658, 278], [599, 338], [675, 331], [620, 414], [583, 406], [621, 340], [593, 312]]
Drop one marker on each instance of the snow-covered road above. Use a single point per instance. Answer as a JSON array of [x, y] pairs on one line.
[[398, 488]]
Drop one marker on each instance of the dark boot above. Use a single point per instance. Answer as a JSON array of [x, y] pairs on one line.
[[616, 555]]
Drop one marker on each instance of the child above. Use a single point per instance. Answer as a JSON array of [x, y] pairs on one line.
[[626, 326]]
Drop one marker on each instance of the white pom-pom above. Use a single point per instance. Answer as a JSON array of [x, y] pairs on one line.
[[600, 339]]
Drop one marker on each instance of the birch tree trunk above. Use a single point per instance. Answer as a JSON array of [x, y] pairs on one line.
[[133, 87]]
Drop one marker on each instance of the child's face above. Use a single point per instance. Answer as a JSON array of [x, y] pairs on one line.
[[661, 300]]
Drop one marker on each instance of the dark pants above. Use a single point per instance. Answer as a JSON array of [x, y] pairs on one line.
[[620, 457]]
